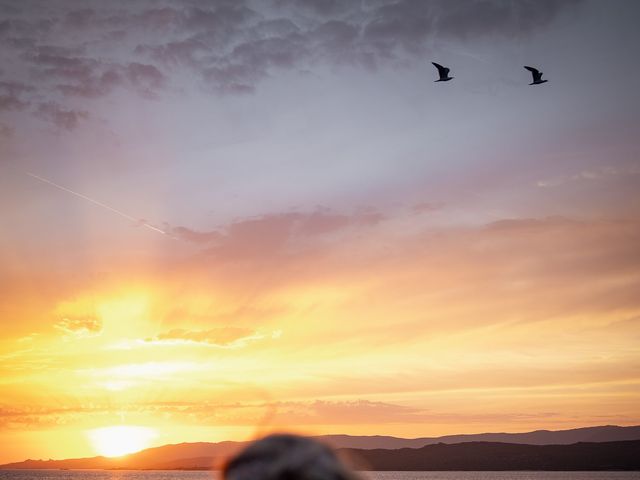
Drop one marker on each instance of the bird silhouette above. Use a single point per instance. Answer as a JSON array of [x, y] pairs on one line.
[[536, 74], [443, 72]]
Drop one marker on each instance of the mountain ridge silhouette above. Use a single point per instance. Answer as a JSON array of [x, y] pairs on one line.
[[209, 455]]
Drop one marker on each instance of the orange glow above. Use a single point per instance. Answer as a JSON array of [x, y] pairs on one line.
[[361, 347], [266, 216]]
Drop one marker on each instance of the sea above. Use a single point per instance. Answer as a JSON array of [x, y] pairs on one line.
[[182, 475]]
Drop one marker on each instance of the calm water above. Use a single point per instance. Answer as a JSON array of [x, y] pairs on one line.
[[176, 475]]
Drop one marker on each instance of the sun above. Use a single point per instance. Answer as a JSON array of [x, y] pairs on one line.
[[120, 440]]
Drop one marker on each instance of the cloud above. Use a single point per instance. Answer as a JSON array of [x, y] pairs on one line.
[[6, 131], [223, 47], [93, 86], [250, 62], [472, 18], [61, 62], [590, 175], [226, 337], [15, 88], [273, 235], [176, 53], [5, 26], [425, 207], [337, 40], [92, 77], [12, 96], [297, 414], [317, 7], [232, 46], [40, 416], [80, 19], [211, 413], [60, 117], [366, 37], [147, 79], [473, 298], [361, 411], [291, 414], [11, 103], [455, 277], [80, 327], [343, 412]]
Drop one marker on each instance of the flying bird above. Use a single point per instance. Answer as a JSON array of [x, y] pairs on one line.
[[536, 74], [443, 72]]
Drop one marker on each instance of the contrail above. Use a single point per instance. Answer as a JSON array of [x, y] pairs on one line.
[[100, 204]]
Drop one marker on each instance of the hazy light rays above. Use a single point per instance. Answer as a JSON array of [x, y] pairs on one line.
[[450, 307]]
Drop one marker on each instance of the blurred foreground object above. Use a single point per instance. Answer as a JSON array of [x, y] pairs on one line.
[[287, 457]]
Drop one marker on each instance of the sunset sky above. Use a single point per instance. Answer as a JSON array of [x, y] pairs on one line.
[[222, 218]]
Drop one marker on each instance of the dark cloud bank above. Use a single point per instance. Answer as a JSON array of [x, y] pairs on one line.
[[59, 55]]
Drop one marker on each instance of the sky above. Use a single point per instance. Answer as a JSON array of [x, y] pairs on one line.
[[224, 218]]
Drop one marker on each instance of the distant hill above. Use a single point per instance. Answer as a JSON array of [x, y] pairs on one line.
[[492, 456], [205, 455], [607, 433], [202, 455]]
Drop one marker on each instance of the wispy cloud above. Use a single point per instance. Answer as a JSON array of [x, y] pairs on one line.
[[590, 175], [270, 236], [223, 337], [60, 117], [80, 327]]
